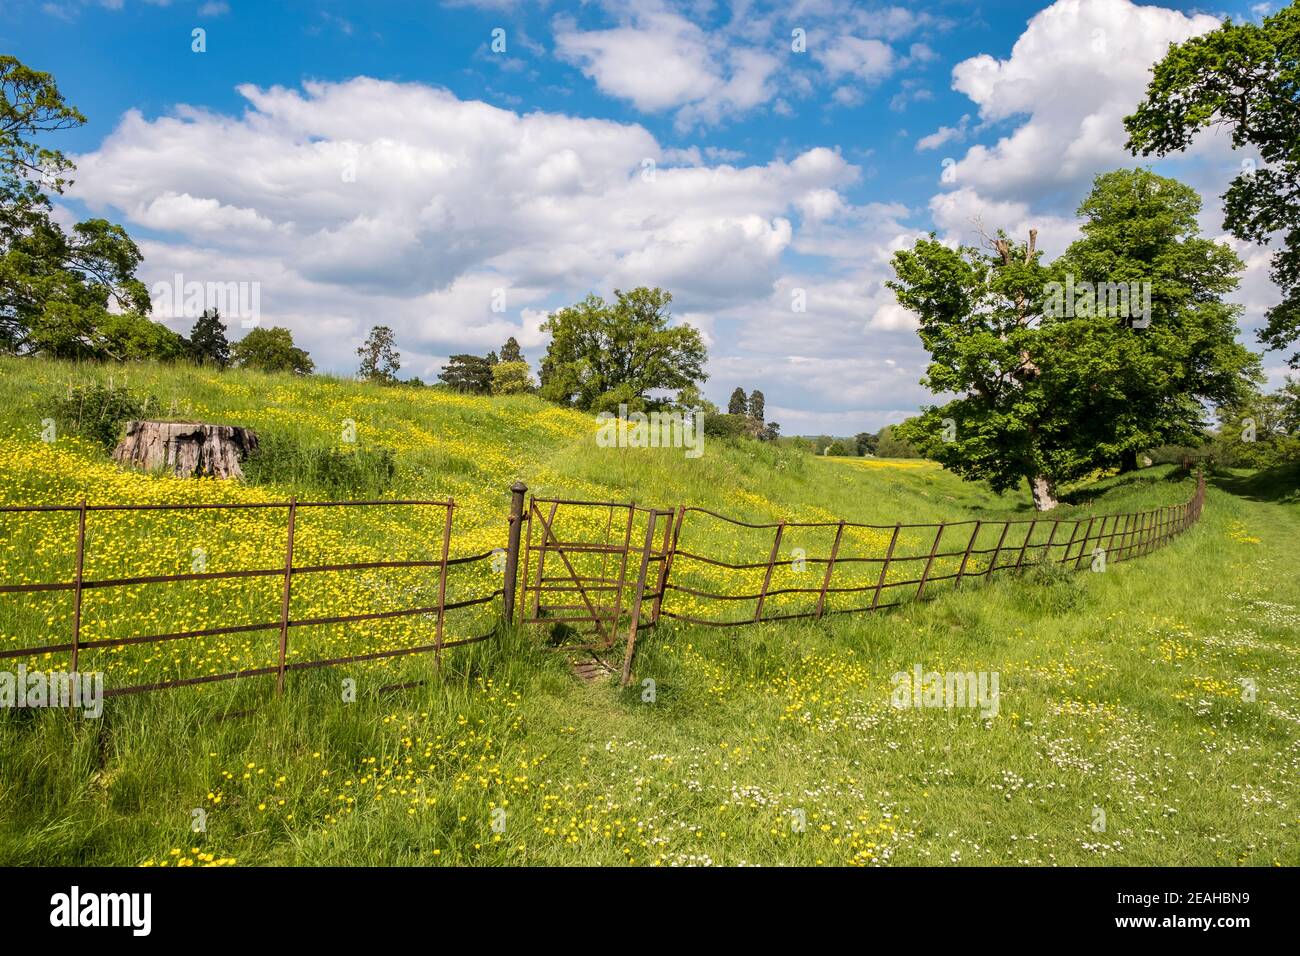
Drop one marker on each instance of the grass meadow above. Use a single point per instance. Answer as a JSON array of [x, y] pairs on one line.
[[1149, 714]]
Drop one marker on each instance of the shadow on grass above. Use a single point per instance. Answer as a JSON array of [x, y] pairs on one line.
[[1280, 484], [1095, 491]]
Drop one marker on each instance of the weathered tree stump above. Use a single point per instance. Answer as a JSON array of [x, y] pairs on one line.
[[187, 449]]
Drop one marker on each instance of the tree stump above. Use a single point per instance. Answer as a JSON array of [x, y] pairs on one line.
[[186, 449]]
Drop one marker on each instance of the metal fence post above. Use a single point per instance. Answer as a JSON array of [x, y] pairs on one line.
[[547, 536], [830, 567], [442, 587], [1074, 533], [670, 540], [1020, 559], [929, 562], [884, 568], [997, 551], [622, 572], [1047, 548], [1083, 548], [1121, 552], [767, 578], [527, 549], [961, 571], [511, 582], [1103, 541], [76, 593], [636, 600], [284, 598]]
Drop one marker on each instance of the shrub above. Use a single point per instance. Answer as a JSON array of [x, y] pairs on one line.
[[727, 426], [99, 412], [1049, 587]]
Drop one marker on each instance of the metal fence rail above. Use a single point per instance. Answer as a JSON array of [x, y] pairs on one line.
[[1118, 537], [625, 572], [286, 572]]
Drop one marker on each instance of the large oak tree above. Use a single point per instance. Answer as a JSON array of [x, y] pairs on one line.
[[1057, 376]]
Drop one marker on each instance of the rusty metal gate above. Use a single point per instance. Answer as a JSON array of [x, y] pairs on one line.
[[592, 566]]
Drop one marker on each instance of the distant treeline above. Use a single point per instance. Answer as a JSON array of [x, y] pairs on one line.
[[882, 444]]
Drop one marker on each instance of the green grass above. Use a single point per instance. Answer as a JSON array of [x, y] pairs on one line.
[[1120, 692]]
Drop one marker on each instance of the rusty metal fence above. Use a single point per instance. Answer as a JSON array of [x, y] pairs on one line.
[[286, 573], [880, 566], [596, 565], [951, 555]]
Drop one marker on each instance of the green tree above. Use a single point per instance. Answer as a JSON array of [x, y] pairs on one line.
[[130, 337], [889, 444], [1133, 383], [691, 398], [59, 289], [602, 354], [511, 378], [271, 350], [468, 373], [380, 359], [1069, 368], [208, 342], [510, 352], [865, 443], [737, 404], [757, 406], [1261, 430], [980, 310], [1244, 75]]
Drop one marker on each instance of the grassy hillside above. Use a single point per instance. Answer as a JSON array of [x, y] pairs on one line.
[[1120, 692]]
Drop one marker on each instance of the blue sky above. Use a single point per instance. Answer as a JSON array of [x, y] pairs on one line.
[[382, 163]]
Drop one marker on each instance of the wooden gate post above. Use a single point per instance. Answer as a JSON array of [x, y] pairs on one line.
[[636, 599], [511, 583]]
